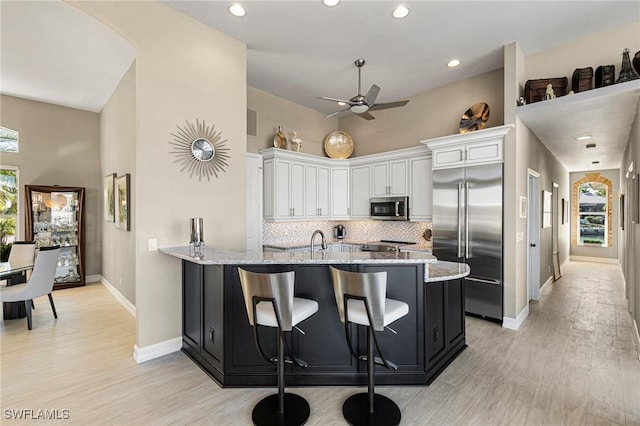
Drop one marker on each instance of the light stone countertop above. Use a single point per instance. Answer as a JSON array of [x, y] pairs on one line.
[[444, 271], [302, 244], [434, 270], [214, 256], [426, 247]]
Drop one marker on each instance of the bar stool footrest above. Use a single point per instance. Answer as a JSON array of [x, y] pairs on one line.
[[378, 361], [296, 411], [356, 411]]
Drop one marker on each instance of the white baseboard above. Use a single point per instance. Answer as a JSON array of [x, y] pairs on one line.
[[546, 286], [594, 259], [92, 279], [130, 307], [515, 323], [636, 337], [156, 350]]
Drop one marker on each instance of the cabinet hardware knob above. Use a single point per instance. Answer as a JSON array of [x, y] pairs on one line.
[[211, 335]]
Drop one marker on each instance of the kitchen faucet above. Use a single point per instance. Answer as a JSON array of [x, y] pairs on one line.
[[313, 237]]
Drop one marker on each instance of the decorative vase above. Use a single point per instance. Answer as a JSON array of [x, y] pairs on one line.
[[626, 70], [338, 145]]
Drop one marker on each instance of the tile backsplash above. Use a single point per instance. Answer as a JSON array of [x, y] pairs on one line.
[[357, 230]]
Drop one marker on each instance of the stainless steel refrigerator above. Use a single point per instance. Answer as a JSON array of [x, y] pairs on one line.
[[467, 227]]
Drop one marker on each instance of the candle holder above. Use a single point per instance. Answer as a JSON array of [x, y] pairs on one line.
[[196, 245]]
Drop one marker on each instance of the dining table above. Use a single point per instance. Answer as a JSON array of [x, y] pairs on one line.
[[14, 273]]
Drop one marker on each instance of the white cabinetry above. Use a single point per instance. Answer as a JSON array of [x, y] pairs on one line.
[[340, 192], [284, 189], [468, 149], [316, 197], [390, 178], [360, 186], [420, 199]]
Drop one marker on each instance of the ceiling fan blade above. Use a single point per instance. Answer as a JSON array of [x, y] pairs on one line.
[[334, 99], [366, 116], [388, 105], [372, 94], [340, 113]]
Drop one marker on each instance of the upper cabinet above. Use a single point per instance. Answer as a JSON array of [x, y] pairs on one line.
[[469, 149], [420, 199], [360, 187], [390, 178]]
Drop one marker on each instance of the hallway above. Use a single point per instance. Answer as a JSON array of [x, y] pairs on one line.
[[572, 362]]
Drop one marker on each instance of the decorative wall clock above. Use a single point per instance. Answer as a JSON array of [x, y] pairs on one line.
[[200, 150]]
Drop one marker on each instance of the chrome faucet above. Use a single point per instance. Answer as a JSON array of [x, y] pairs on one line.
[[313, 237]]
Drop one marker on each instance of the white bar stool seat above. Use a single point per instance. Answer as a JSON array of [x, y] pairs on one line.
[[393, 310], [301, 310]]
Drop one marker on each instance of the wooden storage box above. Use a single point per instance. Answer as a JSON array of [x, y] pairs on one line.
[[535, 90], [582, 80], [605, 75]]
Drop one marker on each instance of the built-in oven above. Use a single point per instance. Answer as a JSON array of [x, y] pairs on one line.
[[389, 208]]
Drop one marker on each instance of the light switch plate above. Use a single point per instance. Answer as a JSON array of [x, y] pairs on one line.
[[153, 244]]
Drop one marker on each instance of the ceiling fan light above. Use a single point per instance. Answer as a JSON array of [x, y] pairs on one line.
[[237, 10], [583, 138], [330, 3], [342, 103], [359, 109], [400, 12]]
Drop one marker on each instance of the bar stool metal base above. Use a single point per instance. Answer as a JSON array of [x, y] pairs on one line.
[[356, 411], [296, 411]]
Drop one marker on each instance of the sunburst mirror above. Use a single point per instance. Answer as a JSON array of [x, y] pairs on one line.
[[200, 150]]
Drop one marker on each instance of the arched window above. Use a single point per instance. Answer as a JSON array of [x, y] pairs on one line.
[[592, 211]]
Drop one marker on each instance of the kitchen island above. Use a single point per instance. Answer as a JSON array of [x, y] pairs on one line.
[[217, 335]]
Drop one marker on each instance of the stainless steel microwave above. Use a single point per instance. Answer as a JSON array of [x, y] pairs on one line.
[[389, 208]]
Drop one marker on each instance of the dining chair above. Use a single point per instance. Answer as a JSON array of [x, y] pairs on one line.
[[39, 284], [22, 251]]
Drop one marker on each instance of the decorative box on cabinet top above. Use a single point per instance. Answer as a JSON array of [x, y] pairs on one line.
[[535, 90], [582, 79]]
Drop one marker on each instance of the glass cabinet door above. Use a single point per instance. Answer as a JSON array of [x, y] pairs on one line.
[[55, 220]]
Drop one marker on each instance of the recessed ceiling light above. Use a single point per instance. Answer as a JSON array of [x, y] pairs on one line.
[[453, 63], [583, 138], [330, 3], [237, 10], [342, 103], [400, 12], [591, 145]]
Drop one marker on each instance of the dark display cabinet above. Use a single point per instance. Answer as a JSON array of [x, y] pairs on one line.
[[55, 217]]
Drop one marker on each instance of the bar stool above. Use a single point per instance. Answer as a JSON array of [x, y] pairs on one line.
[[361, 299], [270, 302]]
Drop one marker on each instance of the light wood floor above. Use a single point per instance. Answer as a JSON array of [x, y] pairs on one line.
[[572, 362]]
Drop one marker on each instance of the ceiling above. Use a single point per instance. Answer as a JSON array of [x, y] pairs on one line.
[[301, 49]]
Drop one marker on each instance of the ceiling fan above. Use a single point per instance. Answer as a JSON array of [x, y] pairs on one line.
[[361, 105]]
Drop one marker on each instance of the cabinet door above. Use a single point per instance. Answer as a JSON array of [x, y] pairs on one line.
[[484, 152], [398, 178], [213, 311], [434, 321], [297, 190], [311, 177], [268, 190], [360, 187], [282, 189], [448, 157], [380, 179], [420, 199], [454, 311], [340, 192], [324, 191], [192, 304]]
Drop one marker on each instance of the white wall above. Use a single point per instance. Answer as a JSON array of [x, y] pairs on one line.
[[184, 70], [118, 155]]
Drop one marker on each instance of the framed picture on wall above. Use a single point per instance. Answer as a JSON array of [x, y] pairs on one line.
[[109, 198], [546, 209], [123, 205], [563, 208], [634, 197]]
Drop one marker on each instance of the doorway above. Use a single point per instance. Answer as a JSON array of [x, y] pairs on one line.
[[533, 235]]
